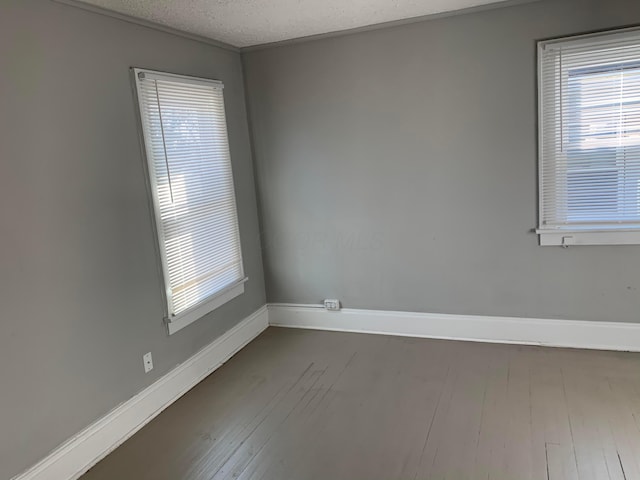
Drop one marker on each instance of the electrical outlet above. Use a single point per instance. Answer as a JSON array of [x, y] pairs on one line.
[[332, 304], [148, 362]]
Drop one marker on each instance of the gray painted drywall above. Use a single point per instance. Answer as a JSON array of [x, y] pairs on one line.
[[396, 170], [80, 292]]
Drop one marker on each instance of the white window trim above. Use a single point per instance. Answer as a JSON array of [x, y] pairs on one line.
[[178, 322], [567, 238], [186, 318], [611, 235]]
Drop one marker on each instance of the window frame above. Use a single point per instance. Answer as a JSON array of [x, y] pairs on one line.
[[174, 323], [622, 234]]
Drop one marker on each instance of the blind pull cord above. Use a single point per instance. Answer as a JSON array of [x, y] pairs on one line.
[[164, 143]]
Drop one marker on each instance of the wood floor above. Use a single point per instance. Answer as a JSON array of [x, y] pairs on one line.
[[304, 405]]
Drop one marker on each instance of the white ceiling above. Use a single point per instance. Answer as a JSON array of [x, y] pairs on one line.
[[244, 23]]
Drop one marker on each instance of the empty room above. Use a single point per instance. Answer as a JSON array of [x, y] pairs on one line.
[[320, 239]]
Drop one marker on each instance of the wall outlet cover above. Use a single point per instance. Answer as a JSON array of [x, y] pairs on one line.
[[332, 304], [148, 362]]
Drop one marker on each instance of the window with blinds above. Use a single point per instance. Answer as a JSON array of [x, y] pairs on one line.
[[589, 114], [189, 166]]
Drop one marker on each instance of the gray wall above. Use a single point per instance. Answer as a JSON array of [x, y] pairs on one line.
[[397, 170], [79, 290]]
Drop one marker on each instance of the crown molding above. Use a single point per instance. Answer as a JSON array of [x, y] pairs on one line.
[[147, 24], [384, 25]]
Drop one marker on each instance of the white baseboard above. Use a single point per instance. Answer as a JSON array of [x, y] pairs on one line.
[[74, 457], [476, 328]]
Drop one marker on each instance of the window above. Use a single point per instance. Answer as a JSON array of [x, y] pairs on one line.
[[187, 150], [589, 114]]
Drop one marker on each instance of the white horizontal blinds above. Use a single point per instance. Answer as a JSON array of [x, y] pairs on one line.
[[590, 126], [190, 167]]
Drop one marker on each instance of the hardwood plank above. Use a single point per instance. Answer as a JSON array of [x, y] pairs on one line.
[[550, 419]]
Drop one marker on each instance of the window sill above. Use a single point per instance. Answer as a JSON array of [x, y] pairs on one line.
[[567, 238], [179, 322]]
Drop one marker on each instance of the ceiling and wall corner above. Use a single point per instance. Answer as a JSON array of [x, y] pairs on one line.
[[248, 23]]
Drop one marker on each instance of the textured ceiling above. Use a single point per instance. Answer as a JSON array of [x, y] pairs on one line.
[[245, 23]]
